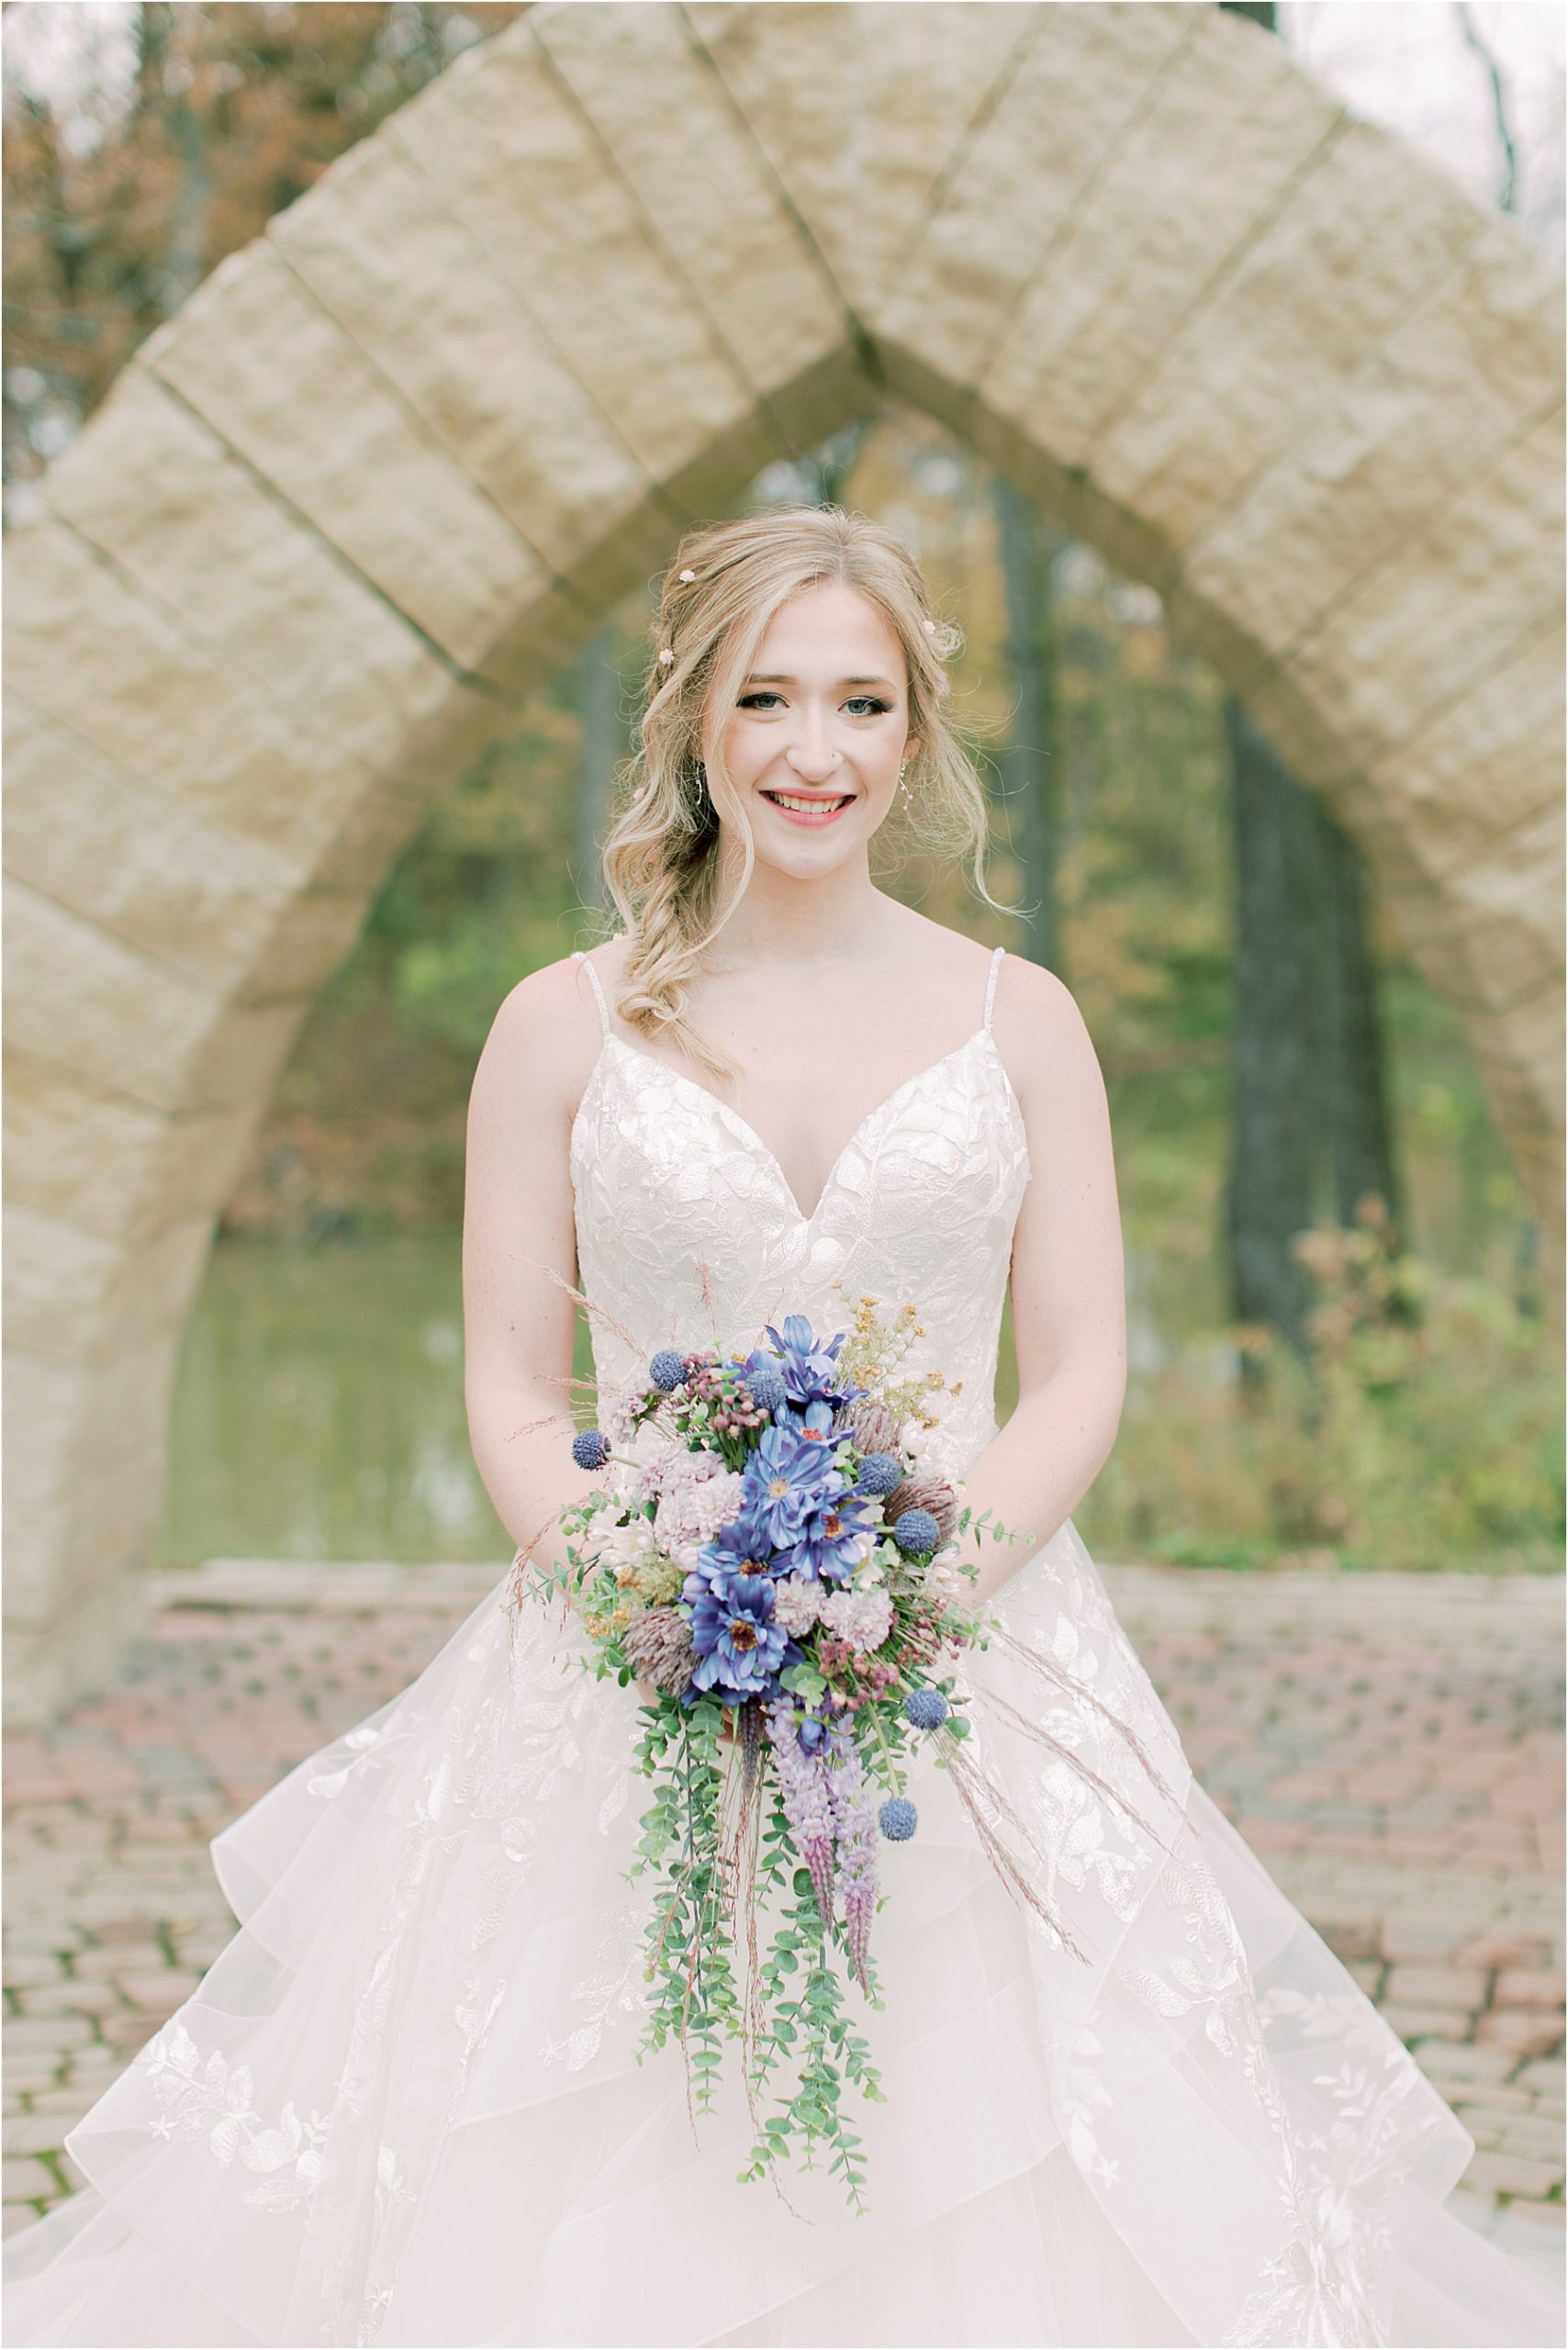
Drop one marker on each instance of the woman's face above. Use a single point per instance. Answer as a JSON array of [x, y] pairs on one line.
[[817, 733]]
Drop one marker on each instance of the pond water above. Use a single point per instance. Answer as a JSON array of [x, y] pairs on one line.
[[319, 1410]]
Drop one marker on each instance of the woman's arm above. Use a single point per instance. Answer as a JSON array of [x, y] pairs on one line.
[[518, 1230], [1068, 1283]]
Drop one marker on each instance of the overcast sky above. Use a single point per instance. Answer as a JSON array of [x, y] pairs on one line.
[[1404, 63]]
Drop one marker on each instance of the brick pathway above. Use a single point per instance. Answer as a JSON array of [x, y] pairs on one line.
[[1390, 1745]]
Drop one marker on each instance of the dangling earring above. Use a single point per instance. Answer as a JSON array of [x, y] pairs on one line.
[[903, 788]]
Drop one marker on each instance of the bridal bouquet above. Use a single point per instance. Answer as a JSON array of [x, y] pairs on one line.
[[766, 1552]]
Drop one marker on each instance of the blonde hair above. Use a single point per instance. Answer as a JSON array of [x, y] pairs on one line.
[[661, 861]]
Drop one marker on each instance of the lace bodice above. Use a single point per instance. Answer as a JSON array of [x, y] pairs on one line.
[[688, 1233]]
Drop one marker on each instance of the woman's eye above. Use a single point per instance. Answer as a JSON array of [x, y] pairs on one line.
[[873, 708]]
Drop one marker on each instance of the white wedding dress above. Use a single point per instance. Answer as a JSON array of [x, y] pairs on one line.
[[404, 2106]]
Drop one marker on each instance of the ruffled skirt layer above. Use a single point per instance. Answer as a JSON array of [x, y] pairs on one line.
[[404, 2106]]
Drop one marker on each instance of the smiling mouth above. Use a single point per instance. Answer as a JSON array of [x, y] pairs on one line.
[[801, 809]]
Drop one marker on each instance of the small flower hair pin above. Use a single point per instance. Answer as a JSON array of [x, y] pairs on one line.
[[689, 575], [666, 654], [930, 627]]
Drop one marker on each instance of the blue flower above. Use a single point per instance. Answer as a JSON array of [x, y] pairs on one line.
[[589, 1449], [740, 1650], [825, 1547], [742, 1547], [667, 1370], [791, 1474], [897, 1818], [810, 1374], [926, 1709]]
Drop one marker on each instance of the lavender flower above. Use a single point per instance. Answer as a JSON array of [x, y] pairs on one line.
[[855, 1823], [807, 1797]]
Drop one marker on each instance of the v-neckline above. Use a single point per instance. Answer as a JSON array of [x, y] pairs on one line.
[[678, 1077]]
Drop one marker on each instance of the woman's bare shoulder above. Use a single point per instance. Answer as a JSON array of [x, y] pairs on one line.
[[545, 1031], [1042, 1034]]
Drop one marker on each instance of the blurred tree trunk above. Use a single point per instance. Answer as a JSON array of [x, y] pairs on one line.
[[1309, 1036], [1276, 1050], [1027, 761], [604, 746], [1360, 1139]]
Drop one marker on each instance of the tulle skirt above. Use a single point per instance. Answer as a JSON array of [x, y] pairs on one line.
[[405, 2106]]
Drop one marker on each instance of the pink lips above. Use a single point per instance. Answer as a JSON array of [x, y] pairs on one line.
[[831, 806]]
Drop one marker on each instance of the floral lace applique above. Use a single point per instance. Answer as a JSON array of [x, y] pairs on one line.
[[615, 1988], [211, 2100]]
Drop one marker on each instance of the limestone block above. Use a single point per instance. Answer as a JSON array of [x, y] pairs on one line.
[[1359, 237], [696, 174], [417, 291], [1068, 99], [1520, 1058], [277, 378], [108, 1523], [102, 1422], [49, 1661], [72, 1294], [135, 860], [859, 175], [1154, 230], [1495, 927], [1446, 607], [1483, 765], [109, 1164], [1427, 413], [372, 832], [311, 939], [155, 489], [89, 1004], [518, 163], [112, 664]]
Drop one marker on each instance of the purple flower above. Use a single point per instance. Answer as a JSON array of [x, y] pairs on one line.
[[740, 1650]]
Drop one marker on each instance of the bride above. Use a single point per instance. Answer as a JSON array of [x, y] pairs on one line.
[[405, 2105]]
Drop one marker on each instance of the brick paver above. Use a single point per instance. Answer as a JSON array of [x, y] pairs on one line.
[[1391, 1746]]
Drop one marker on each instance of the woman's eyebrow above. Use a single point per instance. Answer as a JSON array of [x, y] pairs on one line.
[[778, 677]]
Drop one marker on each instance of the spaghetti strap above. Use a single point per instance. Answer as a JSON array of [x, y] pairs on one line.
[[990, 985], [578, 956]]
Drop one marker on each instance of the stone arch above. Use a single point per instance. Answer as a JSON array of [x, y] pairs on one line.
[[388, 467]]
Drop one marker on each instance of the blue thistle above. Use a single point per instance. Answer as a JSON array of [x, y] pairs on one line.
[[667, 1370], [897, 1820], [926, 1709], [916, 1530], [879, 1474], [589, 1449], [765, 1384]]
